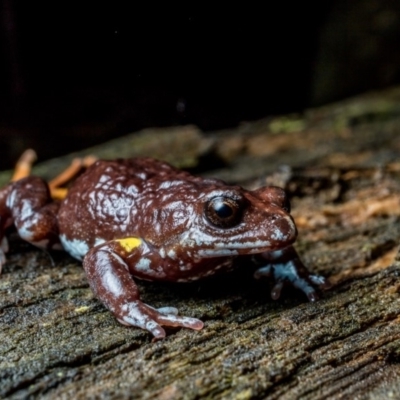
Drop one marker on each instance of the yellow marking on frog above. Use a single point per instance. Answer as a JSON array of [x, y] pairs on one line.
[[129, 243]]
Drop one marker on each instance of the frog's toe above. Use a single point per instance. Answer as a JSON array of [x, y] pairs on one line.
[[294, 274], [142, 316], [276, 290], [146, 317], [156, 330], [306, 288], [176, 320], [168, 316], [320, 281], [264, 272], [298, 283], [167, 310]]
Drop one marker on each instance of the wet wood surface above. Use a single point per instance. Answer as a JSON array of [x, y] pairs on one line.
[[341, 167]]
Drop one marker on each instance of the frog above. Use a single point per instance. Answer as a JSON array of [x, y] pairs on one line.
[[142, 218]]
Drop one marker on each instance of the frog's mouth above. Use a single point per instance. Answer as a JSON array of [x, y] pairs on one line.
[[272, 237], [232, 249]]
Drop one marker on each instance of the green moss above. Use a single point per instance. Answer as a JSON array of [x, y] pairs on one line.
[[287, 124]]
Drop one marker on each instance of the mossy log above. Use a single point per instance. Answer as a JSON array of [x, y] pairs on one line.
[[340, 165]]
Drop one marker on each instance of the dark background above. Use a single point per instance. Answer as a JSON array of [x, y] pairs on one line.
[[73, 74]]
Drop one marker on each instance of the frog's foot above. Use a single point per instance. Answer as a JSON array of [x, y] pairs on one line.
[[146, 317], [110, 278], [287, 269], [24, 165]]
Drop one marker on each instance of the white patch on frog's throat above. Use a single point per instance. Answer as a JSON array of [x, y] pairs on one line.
[[75, 247]]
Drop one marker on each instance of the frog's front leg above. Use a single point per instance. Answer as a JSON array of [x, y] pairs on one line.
[[285, 267], [27, 204], [107, 270]]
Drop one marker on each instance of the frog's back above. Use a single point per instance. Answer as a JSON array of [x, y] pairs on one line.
[[135, 170], [114, 197]]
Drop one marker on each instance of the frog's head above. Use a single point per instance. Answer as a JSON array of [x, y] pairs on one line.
[[233, 221]]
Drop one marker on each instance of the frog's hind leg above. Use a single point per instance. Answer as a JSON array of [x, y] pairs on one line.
[[109, 277], [28, 205], [24, 164], [55, 185]]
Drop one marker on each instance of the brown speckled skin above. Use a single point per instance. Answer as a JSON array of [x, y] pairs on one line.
[[163, 209]]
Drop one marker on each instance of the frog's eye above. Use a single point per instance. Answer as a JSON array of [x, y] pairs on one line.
[[223, 212]]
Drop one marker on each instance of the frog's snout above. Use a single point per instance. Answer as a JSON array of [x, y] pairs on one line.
[[283, 230]]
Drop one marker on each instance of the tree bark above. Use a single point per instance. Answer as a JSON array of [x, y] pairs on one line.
[[340, 165]]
